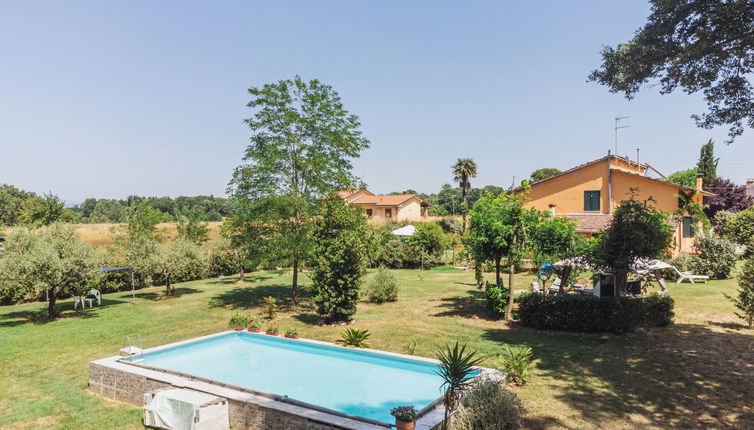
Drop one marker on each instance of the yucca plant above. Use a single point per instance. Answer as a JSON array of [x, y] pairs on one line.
[[270, 307], [354, 338], [456, 367], [517, 362]]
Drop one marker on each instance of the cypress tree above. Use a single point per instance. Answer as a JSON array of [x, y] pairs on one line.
[[707, 164]]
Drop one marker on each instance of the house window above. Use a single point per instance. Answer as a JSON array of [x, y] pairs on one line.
[[591, 201], [369, 213], [388, 213], [688, 227]]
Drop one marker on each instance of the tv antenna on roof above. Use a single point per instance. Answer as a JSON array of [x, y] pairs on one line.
[[618, 127]]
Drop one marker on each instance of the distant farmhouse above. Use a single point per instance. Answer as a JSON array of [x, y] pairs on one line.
[[395, 207], [589, 194], [750, 187]]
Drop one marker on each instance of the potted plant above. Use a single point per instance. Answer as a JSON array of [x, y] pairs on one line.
[[237, 322], [405, 417], [272, 330], [291, 333], [255, 326]]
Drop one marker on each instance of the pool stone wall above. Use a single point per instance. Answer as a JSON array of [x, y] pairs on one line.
[[130, 388]]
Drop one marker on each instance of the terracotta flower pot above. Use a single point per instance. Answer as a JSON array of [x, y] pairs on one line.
[[272, 333], [405, 425], [238, 327], [291, 336], [254, 329]]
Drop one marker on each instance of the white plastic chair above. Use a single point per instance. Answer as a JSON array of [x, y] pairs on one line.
[[96, 295]]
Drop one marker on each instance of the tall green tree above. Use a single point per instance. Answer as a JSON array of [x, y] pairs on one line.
[[340, 258], [695, 45], [463, 171], [303, 140], [501, 228], [543, 173], [687, 177], [39, 211], [707, 164], [637, 230], [190, 227], [11, 202], [555, 238], [53, 260], [744, 300]]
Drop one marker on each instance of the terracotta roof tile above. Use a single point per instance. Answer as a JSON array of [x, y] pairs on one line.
[[384, 200], [590, 223]]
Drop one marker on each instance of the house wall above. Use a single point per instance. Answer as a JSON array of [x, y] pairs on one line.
[[378, 213], [410, 211], [566, 192]]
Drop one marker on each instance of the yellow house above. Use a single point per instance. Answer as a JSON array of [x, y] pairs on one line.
[[589, 193], [380, 208]]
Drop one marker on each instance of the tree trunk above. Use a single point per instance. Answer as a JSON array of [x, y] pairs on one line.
[[464, 209], [498, 280], [620, 284], [241, 275], [509, 308], [294, 283], [564, 279], [661, 281], [53, 297], [168, 290]]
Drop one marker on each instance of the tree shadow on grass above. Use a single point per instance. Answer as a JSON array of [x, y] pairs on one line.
[[687, 376], [250, 297], [251, 277], [469, 306], [153, 295], [12, 319]]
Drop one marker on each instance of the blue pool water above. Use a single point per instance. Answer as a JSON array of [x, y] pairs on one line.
[[346, 380]]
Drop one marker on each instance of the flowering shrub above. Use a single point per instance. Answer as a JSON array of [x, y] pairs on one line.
[[404, 413]]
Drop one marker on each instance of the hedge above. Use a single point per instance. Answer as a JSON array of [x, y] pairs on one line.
[[594, 314]]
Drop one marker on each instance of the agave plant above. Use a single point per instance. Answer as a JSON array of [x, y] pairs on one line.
[[354, 338], [456, 367]]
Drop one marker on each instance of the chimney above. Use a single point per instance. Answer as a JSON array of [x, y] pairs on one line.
[[699, 181]]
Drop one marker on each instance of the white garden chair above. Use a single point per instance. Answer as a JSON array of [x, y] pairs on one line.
[[96, 294], [683, 276]]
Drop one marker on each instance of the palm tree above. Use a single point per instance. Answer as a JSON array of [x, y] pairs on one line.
[[463, 170]]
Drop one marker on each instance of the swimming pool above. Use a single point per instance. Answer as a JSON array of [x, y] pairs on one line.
[[358, 383]]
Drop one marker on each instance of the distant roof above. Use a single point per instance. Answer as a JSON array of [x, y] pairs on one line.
[[117, 269], [387, 200]]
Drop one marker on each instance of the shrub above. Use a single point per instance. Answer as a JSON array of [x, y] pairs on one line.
[[517, 362], [744, 301], [354, 338], [717, 256], [496, 299], [270, 307], [488, 405], [594, 314], [391, 254], [740, 229], [451, 225], [383, 288]]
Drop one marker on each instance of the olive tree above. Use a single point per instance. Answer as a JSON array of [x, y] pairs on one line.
[[52, 260], [180, 260]]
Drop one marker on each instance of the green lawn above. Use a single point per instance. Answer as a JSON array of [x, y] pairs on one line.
[[696, 374]]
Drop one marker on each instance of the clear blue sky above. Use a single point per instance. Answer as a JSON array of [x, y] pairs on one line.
[[108, 99]]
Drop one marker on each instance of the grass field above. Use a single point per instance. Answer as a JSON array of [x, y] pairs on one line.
[[697, 374], [103, 234]]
